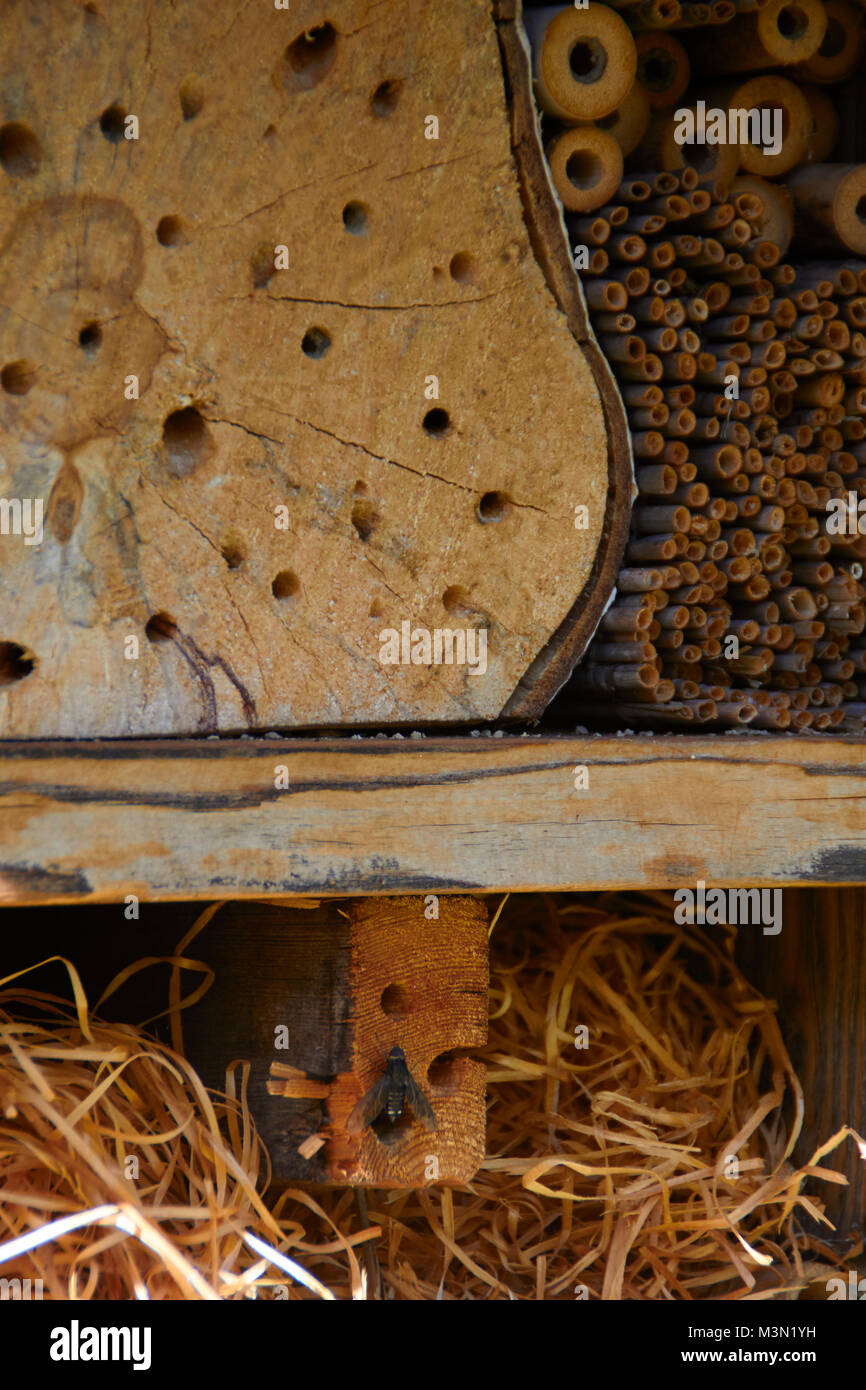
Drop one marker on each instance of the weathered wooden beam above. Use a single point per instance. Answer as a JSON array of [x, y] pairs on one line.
[[97, 821]]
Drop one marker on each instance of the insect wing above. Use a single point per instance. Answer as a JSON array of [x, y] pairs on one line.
[[371, 1106], [419, 1102]]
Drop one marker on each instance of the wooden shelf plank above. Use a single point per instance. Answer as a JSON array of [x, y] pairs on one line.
[[177, 819]]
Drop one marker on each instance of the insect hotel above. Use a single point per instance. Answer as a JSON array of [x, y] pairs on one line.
[[432, 655]]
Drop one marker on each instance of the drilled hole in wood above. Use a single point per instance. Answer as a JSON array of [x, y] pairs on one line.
[[437, 422], [315, 342], [494, 506], [455, 599], [160, 628], [169, 231], [396, 1001], [443, 1074], [18, 377], [20, 150], [464, 268], [377, 609], [233, 551], [364, 518], [310, 57], [360, 489], [112, 123], [262, 265], [186, 440], [286, 585], [191, 96], [459, 602], [386, 96], [90, 338], [16, 662], [355, 218]]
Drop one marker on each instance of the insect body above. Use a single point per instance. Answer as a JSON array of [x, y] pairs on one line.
[[395, 1089]]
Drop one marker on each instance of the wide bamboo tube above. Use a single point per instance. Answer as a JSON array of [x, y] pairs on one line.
[[662, 68], [586, 167], [841, 48], [713, 163], [629, 121], [583, 61], [781, 32], [832, 197], [775, 93], [775, 219]]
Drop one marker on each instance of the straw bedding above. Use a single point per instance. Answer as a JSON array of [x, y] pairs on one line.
[[653, 1162]]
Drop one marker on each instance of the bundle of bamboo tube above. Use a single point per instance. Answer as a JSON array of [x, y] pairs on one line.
[[743, 371], [745, 382]]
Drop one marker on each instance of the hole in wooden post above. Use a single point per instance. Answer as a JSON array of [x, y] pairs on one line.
[[437, 422], [18, 377], [186, 440], [16, 662], [160, 628], [191, 96], [464, 268], [355, 219], [364, 518], [494, 506], [233, 550], [90, 338], [310, 57], [112, 123], [20, 150], [315, 342], [169, 231], [396, 1001], [443, 1073], [286, 585], [384, 100]]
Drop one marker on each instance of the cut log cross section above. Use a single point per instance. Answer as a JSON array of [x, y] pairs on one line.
[[284, 365]]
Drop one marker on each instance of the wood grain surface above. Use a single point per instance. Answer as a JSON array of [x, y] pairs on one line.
[[348, 982], [815, 970], [302, 387], [173, 819]]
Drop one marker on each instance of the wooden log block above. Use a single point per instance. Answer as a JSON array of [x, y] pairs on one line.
[[815, 970], [318, 999], [284, 366]]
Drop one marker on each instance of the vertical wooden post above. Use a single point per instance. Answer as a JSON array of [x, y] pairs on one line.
[[316, 999], [816, 970]]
